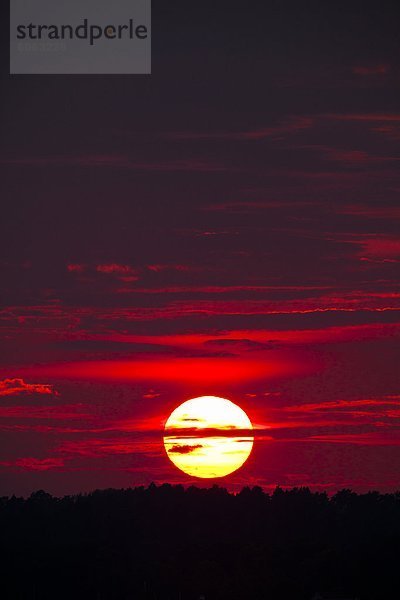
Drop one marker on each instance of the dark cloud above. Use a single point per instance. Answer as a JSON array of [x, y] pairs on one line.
[[184, 449]]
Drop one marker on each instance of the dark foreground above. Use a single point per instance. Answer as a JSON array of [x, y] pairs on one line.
[[170, 543]]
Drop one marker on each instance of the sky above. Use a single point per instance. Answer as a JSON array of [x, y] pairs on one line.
[[226, 226]]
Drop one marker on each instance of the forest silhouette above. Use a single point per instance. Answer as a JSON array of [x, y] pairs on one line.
[[175, 543]]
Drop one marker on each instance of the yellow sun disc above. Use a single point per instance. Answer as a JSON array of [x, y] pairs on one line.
[[208, 437]]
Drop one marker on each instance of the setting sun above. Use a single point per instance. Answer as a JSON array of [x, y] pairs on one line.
[[208, 437]]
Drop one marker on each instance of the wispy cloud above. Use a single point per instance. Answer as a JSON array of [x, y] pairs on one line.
[[289, 126], [116, 161], [373, 246], [370, 212], [371, 70], [121, 271], [382, 406], [70, 411], [35, 464], [17, 386], [110, 268], [368, 117]]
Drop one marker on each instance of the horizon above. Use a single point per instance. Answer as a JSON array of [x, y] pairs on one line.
[[212, 487]]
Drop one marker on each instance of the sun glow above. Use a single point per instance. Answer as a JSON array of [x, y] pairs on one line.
[[208, 437]]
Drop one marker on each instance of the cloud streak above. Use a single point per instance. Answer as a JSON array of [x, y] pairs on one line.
[[17, 386]]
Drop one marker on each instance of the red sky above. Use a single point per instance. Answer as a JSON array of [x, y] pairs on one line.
[[227, 226]]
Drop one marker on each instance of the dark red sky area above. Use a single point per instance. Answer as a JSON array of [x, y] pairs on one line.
[[226, 226]]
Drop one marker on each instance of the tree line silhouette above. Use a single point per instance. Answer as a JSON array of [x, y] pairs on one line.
[[175, 543]]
